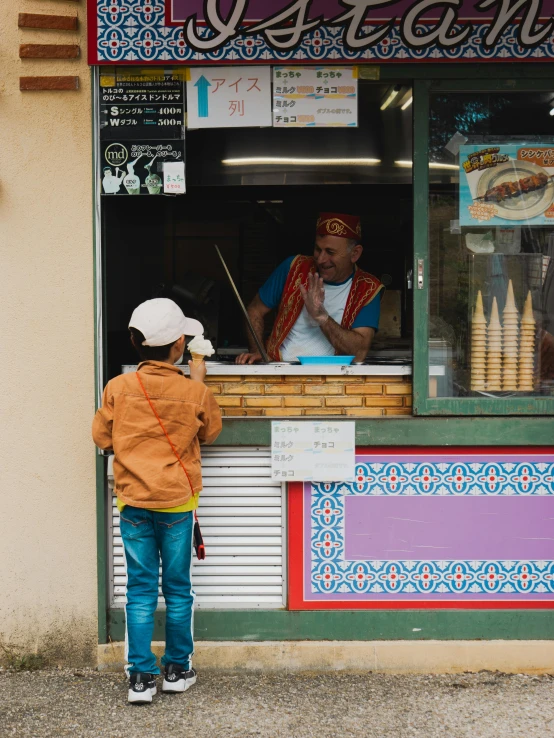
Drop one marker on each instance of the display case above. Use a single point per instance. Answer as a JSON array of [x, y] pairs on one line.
[[505, 325], [484, 242]]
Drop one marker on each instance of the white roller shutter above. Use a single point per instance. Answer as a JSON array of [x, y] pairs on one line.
[[242, 514]]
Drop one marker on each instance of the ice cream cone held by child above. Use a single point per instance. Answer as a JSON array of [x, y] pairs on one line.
[[199, 348]]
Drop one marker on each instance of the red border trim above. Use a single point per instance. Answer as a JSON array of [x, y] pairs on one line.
[[92, 32], [306, 62], [296, 543]]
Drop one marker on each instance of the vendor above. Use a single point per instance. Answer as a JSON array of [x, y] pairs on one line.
[[326, 304]]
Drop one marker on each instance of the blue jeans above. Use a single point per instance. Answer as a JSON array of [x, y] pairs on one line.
[[147, 536]]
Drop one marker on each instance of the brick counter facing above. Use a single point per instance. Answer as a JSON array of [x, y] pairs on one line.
[[288, 396]]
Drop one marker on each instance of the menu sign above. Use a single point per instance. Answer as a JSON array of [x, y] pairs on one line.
[[315, 97], [505, 184], [137, 167], [139, 106], [312, 451]]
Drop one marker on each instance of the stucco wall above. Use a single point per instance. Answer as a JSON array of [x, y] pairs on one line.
[[47, 485]]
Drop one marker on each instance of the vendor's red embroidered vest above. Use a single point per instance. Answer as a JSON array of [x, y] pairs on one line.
[[364, 288]]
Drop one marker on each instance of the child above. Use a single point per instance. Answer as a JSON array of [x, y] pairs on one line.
[[156, 491]]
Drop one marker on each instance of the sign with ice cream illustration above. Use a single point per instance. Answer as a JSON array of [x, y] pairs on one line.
[[138, 167], [506, 184]]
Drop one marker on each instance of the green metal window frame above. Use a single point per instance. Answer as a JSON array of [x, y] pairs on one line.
[[422, 403]]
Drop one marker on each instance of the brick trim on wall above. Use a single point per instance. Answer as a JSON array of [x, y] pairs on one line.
[[30, 22], [49, 22], [289, 396], [27, 84], [49, 51]]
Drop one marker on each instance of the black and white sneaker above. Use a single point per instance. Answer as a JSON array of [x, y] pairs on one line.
[[142, 687], [178, 679]]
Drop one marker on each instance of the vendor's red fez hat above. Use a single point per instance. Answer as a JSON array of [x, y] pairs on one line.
[[338, 224]]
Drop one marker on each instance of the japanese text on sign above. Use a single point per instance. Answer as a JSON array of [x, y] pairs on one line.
[[223, 97], [315, 97], [317, 451], [143, 105], [174, 177]]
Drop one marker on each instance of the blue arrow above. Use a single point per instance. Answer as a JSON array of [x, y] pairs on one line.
[[202, 85]]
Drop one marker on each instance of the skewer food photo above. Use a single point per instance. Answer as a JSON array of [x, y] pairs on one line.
[[507, 190]]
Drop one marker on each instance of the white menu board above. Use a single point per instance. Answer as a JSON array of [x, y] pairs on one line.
[[314, 97], [313, 450]]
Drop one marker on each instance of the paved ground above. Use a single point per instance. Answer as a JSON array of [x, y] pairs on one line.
[[86, 704]]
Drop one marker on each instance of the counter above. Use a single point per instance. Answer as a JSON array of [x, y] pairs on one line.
[[281, 390], [216, 368]]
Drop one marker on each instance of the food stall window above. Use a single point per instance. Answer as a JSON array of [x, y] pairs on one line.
[[491, 244], [256, 193]]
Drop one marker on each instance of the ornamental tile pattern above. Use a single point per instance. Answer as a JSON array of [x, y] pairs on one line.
[[331, 573], [134, 31]]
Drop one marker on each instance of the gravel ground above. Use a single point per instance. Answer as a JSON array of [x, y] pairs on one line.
[[87, 704]]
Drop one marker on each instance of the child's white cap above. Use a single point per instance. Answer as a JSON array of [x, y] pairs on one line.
[[161, 321]]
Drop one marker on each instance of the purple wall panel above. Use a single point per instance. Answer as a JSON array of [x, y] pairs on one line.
[[463, 527], [454, 528]]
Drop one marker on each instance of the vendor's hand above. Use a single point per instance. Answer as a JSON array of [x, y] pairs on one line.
[[197, 371], [248, 358], [314, 297]]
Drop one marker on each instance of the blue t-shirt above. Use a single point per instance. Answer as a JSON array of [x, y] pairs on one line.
[[272, 291]]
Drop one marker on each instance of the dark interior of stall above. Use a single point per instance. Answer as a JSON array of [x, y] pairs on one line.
[[256, 193]]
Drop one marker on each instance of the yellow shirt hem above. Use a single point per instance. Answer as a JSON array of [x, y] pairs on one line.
[[192, 504]]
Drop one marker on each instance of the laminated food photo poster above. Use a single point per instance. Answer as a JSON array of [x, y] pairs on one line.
[[506, 184]]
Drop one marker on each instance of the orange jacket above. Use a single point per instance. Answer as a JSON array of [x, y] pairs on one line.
[[146, 471]]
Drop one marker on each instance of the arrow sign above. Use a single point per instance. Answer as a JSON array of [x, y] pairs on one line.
[[202, 86]]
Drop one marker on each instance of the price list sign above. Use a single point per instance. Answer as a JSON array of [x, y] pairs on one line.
[[320, 97], [313, 451], [142, 108]]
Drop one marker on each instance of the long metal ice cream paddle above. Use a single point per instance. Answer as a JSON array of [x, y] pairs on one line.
[[261, 349]]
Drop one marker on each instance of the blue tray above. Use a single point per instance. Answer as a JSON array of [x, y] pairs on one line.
[[326, 359]]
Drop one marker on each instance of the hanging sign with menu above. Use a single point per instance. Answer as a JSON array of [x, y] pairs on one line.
[[140, 107], [315, 97], [141, 134]]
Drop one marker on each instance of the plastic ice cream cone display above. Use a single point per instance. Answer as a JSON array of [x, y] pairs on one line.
[[494, 323], [478, 345], [510, 341], [528, 319], [199, 348], [527, 347], [479, 313], [494, 350], [510, 306]]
